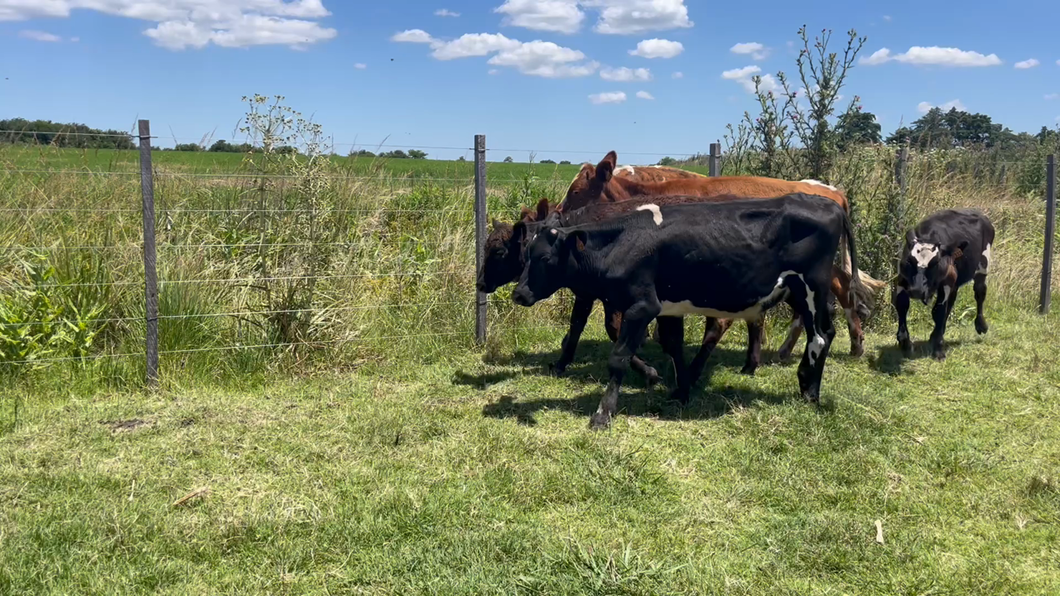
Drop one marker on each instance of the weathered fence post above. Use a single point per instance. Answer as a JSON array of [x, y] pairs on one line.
[[480, 234], [147, 186], [1050, 233], [715, 158], [900, 169]]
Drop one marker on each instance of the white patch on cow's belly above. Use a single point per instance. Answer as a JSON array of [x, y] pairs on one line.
[[656, 214], [626, 169], [685, 307], [819, 183], [984, 264]]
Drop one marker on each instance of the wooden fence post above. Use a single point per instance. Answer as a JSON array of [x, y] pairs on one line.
[[900, 169], [1050, 233], [480, 234], [715, 159], [147, 186]]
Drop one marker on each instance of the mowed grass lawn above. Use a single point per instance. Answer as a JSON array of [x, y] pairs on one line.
[[473, 475]]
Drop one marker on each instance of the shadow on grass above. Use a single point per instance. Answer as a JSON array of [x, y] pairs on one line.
[[889, 359], [590, 369]]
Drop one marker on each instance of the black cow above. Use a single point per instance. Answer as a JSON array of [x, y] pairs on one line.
[[942, 253], [731, 259]]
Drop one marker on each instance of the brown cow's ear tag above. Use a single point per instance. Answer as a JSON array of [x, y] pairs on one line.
[[957, 253], [553, 231]]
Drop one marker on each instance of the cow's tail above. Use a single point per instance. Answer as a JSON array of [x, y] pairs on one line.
[[869, 286], [863, 294]]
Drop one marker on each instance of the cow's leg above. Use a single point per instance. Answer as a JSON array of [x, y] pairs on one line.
[[900, 299], [672, 338], [979, 286], [940, 313], [714, 330], [612, 323], [842, 288], [579, 316], [794, 331], [819, 335], [755, 338], [634, 325]]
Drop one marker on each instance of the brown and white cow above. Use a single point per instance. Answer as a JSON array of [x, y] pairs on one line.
[[599, 184]]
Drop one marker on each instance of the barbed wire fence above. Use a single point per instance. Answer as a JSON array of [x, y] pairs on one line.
[[232, 262]]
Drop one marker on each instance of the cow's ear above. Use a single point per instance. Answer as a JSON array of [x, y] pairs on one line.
[[496, 224], [542, 209], [910, 238], [519, 231], [955, 251], [606, 168], [576, 241]]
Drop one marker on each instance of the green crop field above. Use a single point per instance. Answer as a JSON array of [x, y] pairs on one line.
[[325, 423]]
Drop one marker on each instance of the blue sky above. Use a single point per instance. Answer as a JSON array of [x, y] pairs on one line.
[[543, 75]]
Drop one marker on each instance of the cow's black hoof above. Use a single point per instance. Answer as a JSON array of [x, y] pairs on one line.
[[681, 395], [784, 356], [749, 370], [557, 370], [811, 397], [981, 327], [939, 355], [857, 350], [907, 347], [600, 421]]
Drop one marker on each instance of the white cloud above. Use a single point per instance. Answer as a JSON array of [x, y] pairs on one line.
[[360, 66], [755, 49], [612, 97], [75, 39], [933, 56], [745, 77], [1058, 62], [878, 57], [182, 24], [625, 75], [535, 58], [493, 71], [412, 36], [678, 75], [925, 107], [1052, 96], [645, 95], [545, 59], [627, 17], [472, 44], [1025, 64], [657, 48], [40, 36], [560, 16], [445, 12], [887, 18]]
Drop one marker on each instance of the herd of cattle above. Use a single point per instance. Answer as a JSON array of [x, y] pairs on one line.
[[659, 243]]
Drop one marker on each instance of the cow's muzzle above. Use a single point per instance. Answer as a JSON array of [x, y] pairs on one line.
[[522, 297]]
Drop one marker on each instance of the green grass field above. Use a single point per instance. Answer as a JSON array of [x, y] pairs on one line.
[[371, 448], [108, 160], [459, 476]]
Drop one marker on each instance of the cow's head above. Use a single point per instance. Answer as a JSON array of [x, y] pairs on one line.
[[547, 257], [925, 265], [503, 261], [588, 186]]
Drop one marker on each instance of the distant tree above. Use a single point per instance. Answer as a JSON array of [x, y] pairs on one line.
[[221, 146], [461, 158], [856, 127], [417, 154], [188, 147], [548, 161], [395, 154], [362, 153], [46, 132], [667, 161], [564, 163], [956, 128], [287, 150], [508, 159]]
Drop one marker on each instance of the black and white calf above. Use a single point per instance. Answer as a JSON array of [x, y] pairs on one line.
[[732, 259], [942, 253]]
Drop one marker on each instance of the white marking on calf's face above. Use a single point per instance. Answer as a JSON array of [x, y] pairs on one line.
[[984, 263], [819, 183], [923, 253], [656, 214]]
